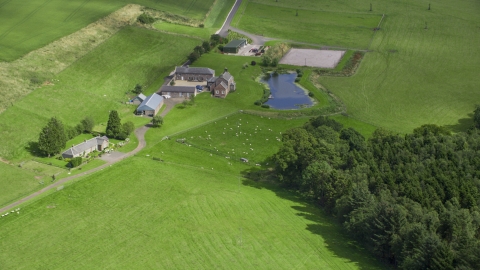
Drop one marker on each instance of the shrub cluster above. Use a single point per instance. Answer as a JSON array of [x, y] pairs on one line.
[[145, 19], [75, 162]]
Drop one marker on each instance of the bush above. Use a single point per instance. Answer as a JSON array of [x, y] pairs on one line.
[[220, 47], [172, 82], [75, 162], [35, 80], [145, 18], [310, 94], [201, 25], [297, 79], [258, 103], [266, 106], [253, 63]]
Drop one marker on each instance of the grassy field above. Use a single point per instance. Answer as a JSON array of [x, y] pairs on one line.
[[351, 29], [414, 75], [177, 214], [16, 182], [31, 24], [93, 85], [212, 23]]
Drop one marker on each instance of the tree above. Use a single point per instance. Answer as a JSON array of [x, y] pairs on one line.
[[52, 138], [476, 117], [88, 123], [185, 103], [128, 127], [138, 89], [157, 121], [206, 46], [199, 49], [114, 126], [193, 56]]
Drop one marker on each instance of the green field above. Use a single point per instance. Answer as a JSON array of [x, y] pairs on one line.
[[312, 25], [414, 75], [177, 214], [16, 182], [31, 24], [93, 85]]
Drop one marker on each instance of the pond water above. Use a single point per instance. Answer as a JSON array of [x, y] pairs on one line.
[[286, 95]]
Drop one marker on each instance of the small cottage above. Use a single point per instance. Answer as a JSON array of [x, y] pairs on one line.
[[138, 99], [197, 74], [82, 149], [178, 91]]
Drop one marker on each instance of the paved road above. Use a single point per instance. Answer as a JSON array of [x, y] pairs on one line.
[[256, 40]]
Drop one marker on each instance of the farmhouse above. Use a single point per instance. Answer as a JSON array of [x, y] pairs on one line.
[[199, 74], [94, 144], [234, 45], [138, 99], [220, 86], [150, 105], [178, 91]]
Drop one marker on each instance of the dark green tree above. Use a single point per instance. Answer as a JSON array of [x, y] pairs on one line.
[[52, 138], [114, 125], [138, 89], [476, 116], [157, 121], [193, 56], [206, 46], [128, 128], [88, 123]]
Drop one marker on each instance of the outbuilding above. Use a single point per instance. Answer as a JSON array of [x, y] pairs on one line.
[[178, 91], [234, 45], [151, 105], [138, 99]]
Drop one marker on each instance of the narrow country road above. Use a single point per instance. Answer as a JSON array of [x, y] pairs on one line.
[[256, 40]]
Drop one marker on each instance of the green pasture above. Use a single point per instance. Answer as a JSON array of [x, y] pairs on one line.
[[341, 29], [240, 136], [414, 75], [179, 213], [31, 24], [94, 85], [16, 182], [212, 23]]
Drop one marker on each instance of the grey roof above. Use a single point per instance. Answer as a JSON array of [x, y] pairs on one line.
[[194, 70], [141, 97], [178, 89], [235, 43], [80, 148], [212, 79], [224, 85], [150, 103], [226, 75]]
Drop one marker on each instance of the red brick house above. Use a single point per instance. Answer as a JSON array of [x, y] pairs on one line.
[[220, 86]]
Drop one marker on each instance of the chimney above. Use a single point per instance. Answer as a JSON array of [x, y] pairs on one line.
[[225, 70]]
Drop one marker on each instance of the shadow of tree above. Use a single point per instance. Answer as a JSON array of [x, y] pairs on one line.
[[32, 148], [463, 124], [324, 225]]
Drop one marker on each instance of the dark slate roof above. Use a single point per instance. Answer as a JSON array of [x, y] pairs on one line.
[[177, 89], [235, 43], [212, 79], [80, 148], [194, 70], [150, 103]]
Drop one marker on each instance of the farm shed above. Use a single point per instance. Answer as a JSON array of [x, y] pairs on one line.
[[138, 99], [199, 74], [95, 144], [178, 91], [234, 45], [150, 105]]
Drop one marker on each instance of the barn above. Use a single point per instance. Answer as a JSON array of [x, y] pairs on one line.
[[234, 45], [151, 105]]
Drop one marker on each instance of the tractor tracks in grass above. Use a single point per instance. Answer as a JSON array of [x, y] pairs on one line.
[[4, 3], [74, 12], [22, 21], [189, 7]]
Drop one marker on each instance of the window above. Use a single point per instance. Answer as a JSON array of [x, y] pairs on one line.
[[216, 91], [223, 92], [190, 78], [180, 94], [188, 94], [200, 78]]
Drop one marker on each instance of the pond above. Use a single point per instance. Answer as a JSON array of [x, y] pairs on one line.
[[286, 95]]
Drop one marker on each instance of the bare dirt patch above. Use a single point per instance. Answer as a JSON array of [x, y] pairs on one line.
[[312, 58], [42, 64]]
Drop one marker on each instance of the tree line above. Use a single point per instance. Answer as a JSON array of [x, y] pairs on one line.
[[413, 200]]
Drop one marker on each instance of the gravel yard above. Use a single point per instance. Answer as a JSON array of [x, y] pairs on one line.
[[312, 58]]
